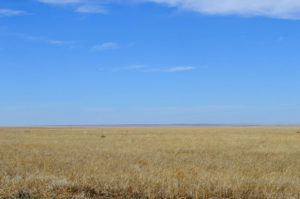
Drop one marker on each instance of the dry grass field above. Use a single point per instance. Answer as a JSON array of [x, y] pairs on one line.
[[182, 162]]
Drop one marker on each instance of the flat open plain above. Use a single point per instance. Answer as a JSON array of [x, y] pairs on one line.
[[150, 162]]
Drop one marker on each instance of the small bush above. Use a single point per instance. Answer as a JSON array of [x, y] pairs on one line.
[[23, 194]]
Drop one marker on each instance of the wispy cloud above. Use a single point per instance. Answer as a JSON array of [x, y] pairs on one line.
[[44, 40], [93, 9], [137, 67], [145, 68], [60, 42], [106, 46], [9, 12], [81, 6], [29, 37], [61, 2], [180, 68], [287, 9]]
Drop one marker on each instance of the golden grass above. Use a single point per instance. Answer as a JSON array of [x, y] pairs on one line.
[[150, 162]]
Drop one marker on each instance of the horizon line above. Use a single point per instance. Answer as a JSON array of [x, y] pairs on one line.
[[160, 125]]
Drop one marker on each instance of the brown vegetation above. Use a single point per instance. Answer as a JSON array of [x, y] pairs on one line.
[[149, 163]]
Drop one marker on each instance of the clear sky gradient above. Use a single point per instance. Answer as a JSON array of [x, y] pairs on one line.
[[84, 62]]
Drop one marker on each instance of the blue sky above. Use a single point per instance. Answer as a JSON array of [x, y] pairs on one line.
[[67, 62]]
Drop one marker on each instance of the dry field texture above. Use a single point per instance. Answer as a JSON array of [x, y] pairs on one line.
[[164, 162]]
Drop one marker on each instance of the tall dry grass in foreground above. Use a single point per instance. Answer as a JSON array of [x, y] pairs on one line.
[[150, 163]]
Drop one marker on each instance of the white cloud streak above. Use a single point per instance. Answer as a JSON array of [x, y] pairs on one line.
[[92, 9], [81, 6], [9, 12], [151, 69], [44, 40], [287, 9], [145, 68], [180, 68], [61, 2], [106, 46], [60, 42]]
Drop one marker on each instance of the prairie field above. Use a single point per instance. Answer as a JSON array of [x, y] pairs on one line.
[[150, 162]]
